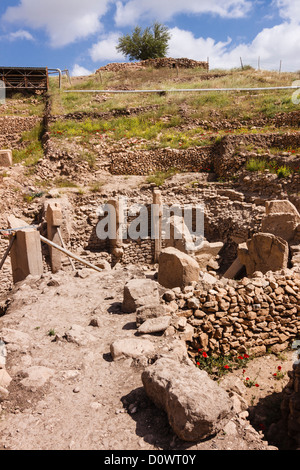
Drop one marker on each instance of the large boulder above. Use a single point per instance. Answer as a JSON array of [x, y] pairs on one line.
[[139, 292], [264, 252], [282, 219], [177, 269], [197, 407]]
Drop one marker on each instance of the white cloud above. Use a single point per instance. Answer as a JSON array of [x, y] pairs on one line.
[[272, 45], [64, 21], [20, 34], [105, 49], [184, 44], [289, 9], [128, 13], [79, 71]]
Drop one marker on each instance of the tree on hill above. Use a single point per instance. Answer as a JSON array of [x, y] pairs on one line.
[[152, 43]]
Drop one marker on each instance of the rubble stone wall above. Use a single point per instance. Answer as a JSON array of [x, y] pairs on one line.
[[168, 62], [223, 158], [12, 127], [248, 316]]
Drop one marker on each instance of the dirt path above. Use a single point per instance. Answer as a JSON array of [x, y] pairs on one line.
[[67, 393]]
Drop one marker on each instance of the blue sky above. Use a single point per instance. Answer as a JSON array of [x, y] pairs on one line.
[[81, 35]]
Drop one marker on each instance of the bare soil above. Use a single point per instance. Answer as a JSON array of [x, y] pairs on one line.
[[79, 398]]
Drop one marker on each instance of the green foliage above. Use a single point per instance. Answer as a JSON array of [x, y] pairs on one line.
[[160, 176], [255, 164], [151, 43], [284, 171]]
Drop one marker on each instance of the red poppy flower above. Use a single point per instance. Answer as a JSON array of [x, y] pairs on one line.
[[204, 354], [279, 367]]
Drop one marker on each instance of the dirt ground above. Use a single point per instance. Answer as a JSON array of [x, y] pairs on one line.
[[68, 394]]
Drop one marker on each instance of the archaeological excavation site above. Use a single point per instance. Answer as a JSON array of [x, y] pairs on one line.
[[150, 261]]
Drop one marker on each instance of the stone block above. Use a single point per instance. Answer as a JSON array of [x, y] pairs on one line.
[[264, 252], [177, 269], [138, 293], [6, 159], [196, 406], [26, 255]]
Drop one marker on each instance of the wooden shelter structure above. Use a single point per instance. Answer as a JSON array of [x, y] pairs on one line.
[[25, 79]]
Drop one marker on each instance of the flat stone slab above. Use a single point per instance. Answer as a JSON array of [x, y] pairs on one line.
[[37, 376], [131, 347], [155, 325]]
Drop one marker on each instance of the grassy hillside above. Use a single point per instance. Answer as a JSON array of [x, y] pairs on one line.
[[174, 119]]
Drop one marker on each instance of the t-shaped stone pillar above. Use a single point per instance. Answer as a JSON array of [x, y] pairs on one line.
[[54, 221]]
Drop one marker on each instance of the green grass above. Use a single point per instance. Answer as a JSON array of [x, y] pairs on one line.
[[260, 165], [64, 183], [145, 126], [160, 177], [33, 149], [240, 105]]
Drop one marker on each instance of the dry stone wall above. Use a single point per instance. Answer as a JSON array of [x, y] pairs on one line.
[[247, 316], [162, 62], [224, 158], [12, 127]]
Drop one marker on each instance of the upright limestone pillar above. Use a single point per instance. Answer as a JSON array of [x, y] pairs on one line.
[[116, 223], [26, 255], [54, 222]]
